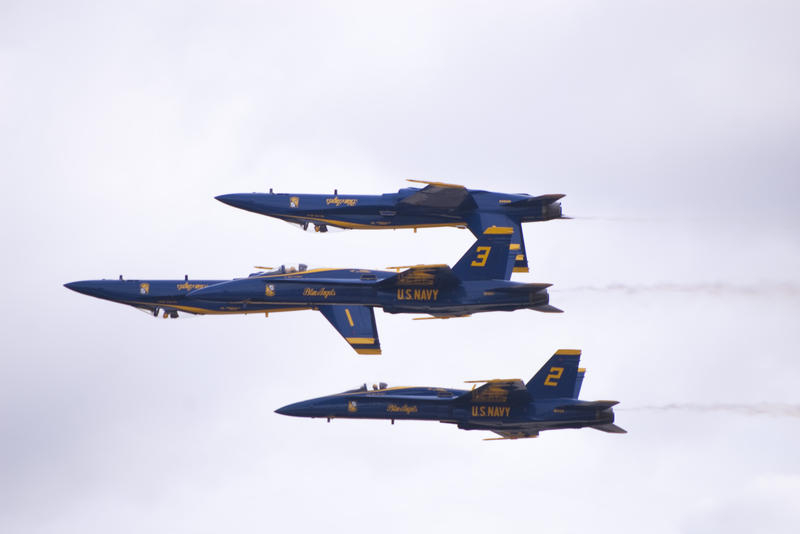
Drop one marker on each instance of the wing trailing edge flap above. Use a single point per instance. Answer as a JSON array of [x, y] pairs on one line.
[[479, 222], [356, 324]]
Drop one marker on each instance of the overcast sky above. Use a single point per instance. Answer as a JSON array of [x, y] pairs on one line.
[[672, 127]]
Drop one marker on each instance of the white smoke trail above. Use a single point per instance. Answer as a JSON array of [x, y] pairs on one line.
[[785, 289], [775, 409]]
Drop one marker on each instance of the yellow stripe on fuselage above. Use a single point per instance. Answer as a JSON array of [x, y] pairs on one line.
[[359, 226], [373, 391], [297, 273], [206, 311]]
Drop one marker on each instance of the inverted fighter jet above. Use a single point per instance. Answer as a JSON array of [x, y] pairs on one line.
[[507, 407], [479, 282], [437, 204]]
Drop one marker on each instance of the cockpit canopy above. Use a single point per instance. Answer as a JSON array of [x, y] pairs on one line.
[[283, 269], [375, 387]]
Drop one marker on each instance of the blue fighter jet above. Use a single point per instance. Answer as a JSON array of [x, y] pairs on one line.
[[507, 407], [437, 204], [479, 282]]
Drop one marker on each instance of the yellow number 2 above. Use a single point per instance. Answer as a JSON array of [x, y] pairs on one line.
[[483, 255], [553, 377]]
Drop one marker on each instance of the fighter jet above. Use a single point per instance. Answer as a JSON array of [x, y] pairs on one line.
[[437, 204], [479, 282], [507, 407]]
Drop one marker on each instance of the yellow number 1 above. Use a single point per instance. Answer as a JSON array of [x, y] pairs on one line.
[[483, 255], [554, 376]]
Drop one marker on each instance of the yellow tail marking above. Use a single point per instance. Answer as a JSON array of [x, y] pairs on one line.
[[569, 352], [554, 376], [498, 230], [360, 340], [481, 256]]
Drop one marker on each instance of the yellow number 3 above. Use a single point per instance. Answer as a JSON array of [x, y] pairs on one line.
[[554, 376], [483, 255]]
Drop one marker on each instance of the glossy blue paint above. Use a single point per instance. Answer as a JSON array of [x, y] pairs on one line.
[[479, 282], [509, 408], [434, 205]]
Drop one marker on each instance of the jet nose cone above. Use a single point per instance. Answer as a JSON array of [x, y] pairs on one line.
[[284, 410], [295, 409], [245, 201], [307, 408], [85, 287]]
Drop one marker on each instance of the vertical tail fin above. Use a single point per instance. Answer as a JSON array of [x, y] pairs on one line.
[[480, 220], [489, 257], [558, 377], [579, 382]]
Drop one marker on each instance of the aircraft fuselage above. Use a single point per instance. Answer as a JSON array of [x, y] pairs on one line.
[[453, 406]]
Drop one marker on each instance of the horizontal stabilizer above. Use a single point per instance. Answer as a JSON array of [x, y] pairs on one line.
[[548, 309], [612, 428], [600, 405], [356, 324], [522, 288], [541, 199]]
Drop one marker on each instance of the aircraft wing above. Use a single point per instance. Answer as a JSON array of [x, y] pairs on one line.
[[514, 434], [421, 275], [356, 324], [439, 195], [516, 431]]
